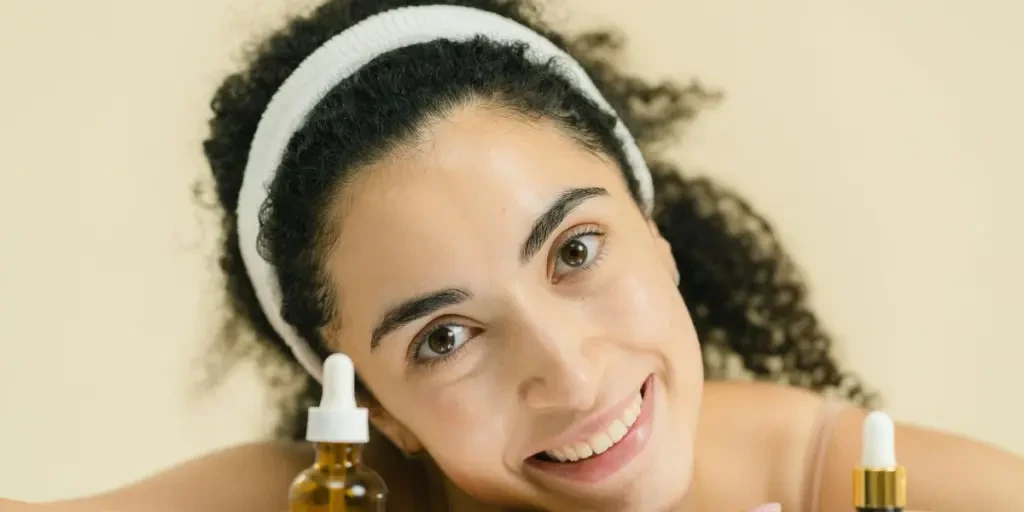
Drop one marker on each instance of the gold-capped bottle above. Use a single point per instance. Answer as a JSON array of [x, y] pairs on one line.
[[338, 481], [879, 483]]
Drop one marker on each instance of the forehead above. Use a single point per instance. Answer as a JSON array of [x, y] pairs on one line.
[[478, 160], [453, 206]]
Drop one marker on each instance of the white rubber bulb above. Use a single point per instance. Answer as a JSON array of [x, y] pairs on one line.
[[879, 442], [338, 418], [339, 383]]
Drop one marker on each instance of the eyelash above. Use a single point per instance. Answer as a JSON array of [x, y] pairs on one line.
[[455, 354]]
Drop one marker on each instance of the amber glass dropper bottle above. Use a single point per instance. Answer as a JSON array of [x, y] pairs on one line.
[[338, 481]]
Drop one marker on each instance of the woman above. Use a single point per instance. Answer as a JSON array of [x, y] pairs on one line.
[[532, 298]]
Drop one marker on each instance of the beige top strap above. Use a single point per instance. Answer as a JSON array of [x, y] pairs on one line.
[[817, 451]]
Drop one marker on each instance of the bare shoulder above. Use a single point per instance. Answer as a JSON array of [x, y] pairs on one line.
[[767, 401], [252, 476], [768, 416], [753, 443]]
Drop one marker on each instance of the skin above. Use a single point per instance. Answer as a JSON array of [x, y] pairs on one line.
[[543, 345], [581, 338]]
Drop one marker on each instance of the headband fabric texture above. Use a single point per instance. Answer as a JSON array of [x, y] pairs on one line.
[[339, 58]]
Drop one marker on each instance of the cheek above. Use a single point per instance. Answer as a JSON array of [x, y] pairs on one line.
[[643, 306], [643, 311], [465, 429], [449, 420]]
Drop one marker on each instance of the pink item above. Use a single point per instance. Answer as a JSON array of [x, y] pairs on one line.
[[815, 461]]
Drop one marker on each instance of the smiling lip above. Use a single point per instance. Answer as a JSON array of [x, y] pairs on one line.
[[594, 425], [599, 467]]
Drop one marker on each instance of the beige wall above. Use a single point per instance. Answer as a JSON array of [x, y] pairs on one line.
[[881, 137]]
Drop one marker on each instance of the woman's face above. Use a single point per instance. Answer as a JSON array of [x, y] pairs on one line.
[[502, 296]]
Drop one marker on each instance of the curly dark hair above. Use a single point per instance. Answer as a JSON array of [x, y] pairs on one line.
[[744, 293]]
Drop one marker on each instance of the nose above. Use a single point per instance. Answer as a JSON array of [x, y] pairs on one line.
[[560, 360]]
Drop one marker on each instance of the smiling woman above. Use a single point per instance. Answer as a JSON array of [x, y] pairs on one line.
[[541, 303], [471, 207], [477, 216], [730, 264]]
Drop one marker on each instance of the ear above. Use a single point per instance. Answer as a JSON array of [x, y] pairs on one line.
[[664, 250], [389, 426]]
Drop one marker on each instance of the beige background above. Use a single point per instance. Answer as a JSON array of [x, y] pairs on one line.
[[882, 138]]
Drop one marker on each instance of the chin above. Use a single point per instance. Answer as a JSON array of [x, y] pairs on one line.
[[660, 489]]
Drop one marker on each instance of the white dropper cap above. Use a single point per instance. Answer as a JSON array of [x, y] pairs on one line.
[[338, 419], [879, 442]]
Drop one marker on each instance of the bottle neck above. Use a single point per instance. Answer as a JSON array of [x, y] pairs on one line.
[[339, 454]]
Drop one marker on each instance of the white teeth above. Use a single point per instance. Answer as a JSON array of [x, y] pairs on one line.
[[570, 453], [617, 431], [602, 441], [583, 450]]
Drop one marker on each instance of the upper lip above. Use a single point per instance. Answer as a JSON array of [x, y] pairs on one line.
[[592, 425]]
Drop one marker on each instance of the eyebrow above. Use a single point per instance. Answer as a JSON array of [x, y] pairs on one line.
[[413, 309], [548, 221]]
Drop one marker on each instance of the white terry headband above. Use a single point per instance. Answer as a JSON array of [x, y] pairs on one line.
[[338, 59]]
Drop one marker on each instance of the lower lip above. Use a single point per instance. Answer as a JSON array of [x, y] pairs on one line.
[[600, 467]]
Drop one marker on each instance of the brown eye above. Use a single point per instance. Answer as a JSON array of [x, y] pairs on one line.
[[574, 253], [577, 254], [442, 341]]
